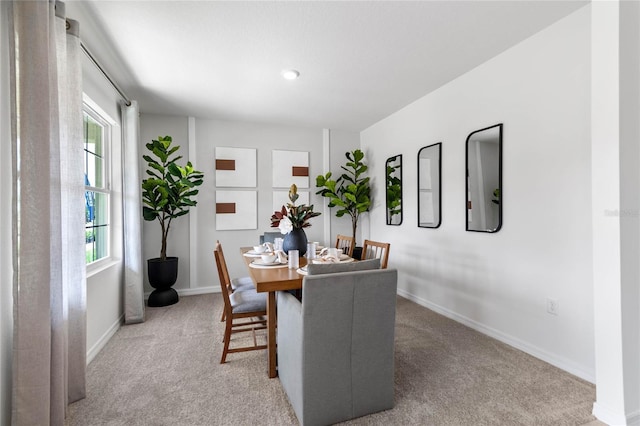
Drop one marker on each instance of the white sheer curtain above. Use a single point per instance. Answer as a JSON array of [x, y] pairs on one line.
[[133, 263], [49, 351]]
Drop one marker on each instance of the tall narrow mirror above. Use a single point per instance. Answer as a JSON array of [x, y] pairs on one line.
[[484, 180], [429, 176], [394, 190]]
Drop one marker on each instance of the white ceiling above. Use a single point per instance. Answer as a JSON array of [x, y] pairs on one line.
[[359, 61]]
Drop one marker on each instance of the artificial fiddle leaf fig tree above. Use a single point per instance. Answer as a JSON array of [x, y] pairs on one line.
[[170, 189], [167, 193], [350, 192]]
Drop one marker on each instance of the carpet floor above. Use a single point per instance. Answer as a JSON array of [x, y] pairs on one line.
[[166, 371]]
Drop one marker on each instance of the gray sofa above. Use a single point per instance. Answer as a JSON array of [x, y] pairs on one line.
[[336, 347]]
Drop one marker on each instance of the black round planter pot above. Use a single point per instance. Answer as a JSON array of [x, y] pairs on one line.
[[162, 275], [357, 253], [295, 240]]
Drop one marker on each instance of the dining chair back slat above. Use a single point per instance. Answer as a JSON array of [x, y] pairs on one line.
[[346, 244], [374, 249]]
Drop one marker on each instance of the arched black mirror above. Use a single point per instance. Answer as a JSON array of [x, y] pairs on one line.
[[394, 190], [429, 186], [484, 180]]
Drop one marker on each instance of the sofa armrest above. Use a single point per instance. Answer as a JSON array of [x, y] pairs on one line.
[[290, 347]]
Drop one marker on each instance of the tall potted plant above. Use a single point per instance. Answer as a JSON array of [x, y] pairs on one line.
[[167, 193], [350, 192]]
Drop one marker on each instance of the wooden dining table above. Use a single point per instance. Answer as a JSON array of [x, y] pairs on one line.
[[269, 280]]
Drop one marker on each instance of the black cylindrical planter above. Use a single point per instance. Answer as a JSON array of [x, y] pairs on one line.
[[162, 275], [357, 253]]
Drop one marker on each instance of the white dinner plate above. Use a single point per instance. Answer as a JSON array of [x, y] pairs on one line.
[[253, 253], [263, 263]]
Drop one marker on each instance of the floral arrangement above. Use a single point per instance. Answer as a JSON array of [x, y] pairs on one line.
[[293, 217]]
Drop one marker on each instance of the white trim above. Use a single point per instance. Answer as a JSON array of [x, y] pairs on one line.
[[193, 212], [192, 291], [532, 350], [98, 110], [104, 339], [108, 124], [326, 167], [609, 417], [101, 265], [198, 290]]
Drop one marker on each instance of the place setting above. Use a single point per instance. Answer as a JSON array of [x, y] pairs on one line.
[[331, 255], [326, 256], [260, 250], [267, 260]]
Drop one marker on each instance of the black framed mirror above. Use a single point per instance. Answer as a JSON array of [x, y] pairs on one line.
[[484, 180], [429, 186], [394, 190]]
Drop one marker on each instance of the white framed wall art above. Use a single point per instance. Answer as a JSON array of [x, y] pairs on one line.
[[290, 167], [236, 167]]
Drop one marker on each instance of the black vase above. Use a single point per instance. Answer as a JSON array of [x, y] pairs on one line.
[[295, 240], [162, 275]]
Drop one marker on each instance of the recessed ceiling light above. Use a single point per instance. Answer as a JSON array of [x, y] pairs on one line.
[[290, 74]]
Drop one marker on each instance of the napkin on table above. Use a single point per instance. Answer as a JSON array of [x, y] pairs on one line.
[[327, 259], [282, 256]]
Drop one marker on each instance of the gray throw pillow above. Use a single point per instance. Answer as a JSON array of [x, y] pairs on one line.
[[332, 268]]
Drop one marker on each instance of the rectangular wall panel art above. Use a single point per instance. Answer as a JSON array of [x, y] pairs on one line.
[[236, 167], [290, 167], [236, 210], [281, 198]]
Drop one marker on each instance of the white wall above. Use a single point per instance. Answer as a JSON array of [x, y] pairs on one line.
[[264, 138], [198, 139], [615, 187], [498, 283], [341, 143], [6, 267]]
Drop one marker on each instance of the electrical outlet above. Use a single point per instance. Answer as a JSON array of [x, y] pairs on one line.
[[552, 306]]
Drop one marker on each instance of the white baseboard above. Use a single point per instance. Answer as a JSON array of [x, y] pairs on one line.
[[192, 291], [197, 290], [504, 338], [97, 347], [610, 417]]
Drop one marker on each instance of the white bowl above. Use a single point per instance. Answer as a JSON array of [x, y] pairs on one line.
[[268, 258], [259, 249]]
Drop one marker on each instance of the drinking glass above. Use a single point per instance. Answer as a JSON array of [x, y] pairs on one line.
[[294, 259], [311, 251]]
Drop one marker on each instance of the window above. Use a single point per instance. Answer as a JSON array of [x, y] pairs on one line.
[[97, 184]]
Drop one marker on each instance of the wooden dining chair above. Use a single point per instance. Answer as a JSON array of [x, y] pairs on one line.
[[375, 249], [239, 305], [241, 283], [346, 244]]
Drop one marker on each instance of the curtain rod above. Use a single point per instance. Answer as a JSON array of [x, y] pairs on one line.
[[113, 83]]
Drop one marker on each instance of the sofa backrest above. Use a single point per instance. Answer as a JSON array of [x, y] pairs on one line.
[[332, 268], [348, 326]]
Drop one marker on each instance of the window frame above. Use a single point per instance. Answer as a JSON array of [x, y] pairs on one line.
[[97, 114]]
